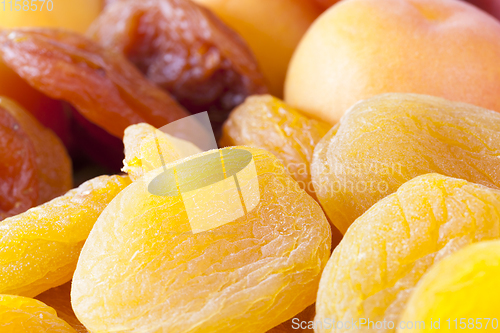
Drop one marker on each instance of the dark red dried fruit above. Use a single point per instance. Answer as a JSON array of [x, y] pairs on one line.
[[103, 86], [183, 48]]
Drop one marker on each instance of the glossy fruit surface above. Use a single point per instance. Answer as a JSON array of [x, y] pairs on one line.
[[26, 315], [183, 48], [387, 250], [268, 123], [40, 247], [249, 274], [101, 84], [34, 166], [462, 286], [389, 139]]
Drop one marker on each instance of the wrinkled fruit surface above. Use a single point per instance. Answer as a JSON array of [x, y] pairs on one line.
[[25, 315], [34, 166], [102, 85], [389, 139], [461, 286], [388, 249], [39, 248], [183, 48], [59, 299], [268, 123], [248, 275], [143, 145]]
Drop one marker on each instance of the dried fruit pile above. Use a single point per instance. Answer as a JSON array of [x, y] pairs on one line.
[[321, 213]]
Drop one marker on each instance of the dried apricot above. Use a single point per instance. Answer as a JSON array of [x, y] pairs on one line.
[[102, 85], [143, 144], [39, 248], [34, 165], [389, 139], [26, 315], [461, 291], [268, 123], [387, 250], [250, 274], [185, 49], [59, 299]]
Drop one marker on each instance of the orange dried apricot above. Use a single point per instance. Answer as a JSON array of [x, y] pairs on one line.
[[39, 248], [387, 250], [59, 299], [185, 49], [34, 166], [268, 123], [26, 315], [249, 274], [384, 141], [102, 84]]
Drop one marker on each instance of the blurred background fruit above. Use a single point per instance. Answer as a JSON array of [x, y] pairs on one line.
[[75, 15], [272, 29], [490, 6], [360, 48]]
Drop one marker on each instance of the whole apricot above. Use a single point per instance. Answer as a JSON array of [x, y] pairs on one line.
[[361, 48]]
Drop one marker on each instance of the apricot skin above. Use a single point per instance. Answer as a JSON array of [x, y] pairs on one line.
[[360, 48]]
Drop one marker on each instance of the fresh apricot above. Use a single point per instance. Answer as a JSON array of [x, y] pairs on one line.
[[361, 48], [272, 29]]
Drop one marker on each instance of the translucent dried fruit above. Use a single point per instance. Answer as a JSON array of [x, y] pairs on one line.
[[59, 299], [39, 248], [268, 123], [387, 250], [145, 267], [143, 144], [389, 139], [459, 291], [183, 48], [34, 166], [298, 324], [107, 89], [26, 315]]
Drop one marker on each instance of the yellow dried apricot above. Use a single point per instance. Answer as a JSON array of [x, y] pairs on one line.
[[387, 250], [59, 298], [459, 292], [268, 123], [39, 248], [26, 315], [143, 145], [167, 263], [384, 141]]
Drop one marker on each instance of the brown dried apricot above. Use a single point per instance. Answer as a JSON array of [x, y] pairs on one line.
[[268, 123], [102, 84], [59, 298], [185, 49], [34, 166], [39, 248]]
